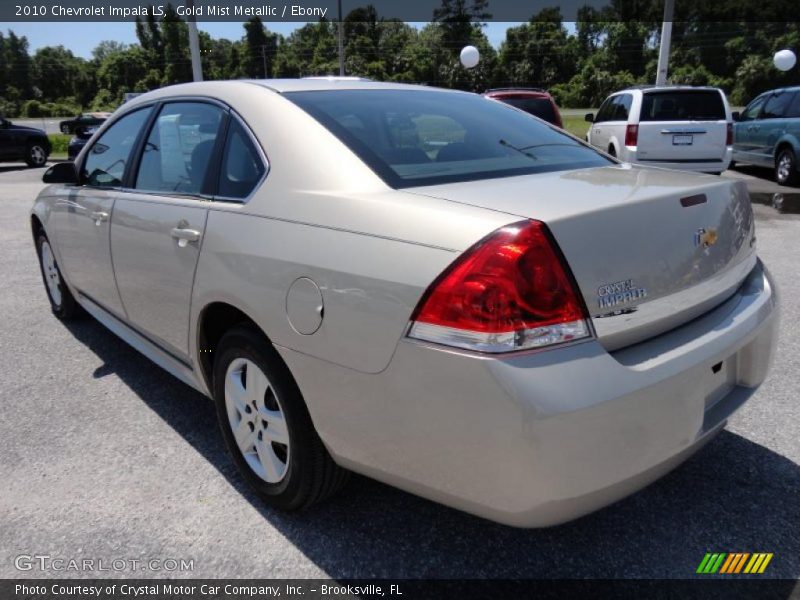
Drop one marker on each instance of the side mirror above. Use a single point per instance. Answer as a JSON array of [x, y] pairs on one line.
[[735, 115], [61, 173], [589, 117]]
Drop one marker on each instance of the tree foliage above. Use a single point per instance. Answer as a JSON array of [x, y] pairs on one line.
[[581, 63]]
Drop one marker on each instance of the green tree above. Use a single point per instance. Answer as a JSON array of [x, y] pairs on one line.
[[259, 50]]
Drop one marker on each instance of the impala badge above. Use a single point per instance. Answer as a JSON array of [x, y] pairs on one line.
[[705, 237], [613, 294]]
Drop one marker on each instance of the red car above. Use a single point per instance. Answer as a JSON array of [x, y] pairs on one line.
[[535, 101]]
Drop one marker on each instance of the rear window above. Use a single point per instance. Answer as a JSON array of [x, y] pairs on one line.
[[696, 105], [418, 137], [538, 107]]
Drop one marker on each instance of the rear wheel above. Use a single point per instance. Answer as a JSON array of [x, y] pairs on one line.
[[35, 155], [266, 425], [786, 167], [612, 152], [61, 299]]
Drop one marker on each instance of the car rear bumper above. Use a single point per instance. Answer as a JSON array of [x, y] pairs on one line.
[[539, 438], [695, 165]]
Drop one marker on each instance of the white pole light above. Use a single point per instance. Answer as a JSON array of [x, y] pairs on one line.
[[784, 60], [470, 57]]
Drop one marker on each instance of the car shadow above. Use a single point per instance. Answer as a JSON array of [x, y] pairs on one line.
[[733, 496]]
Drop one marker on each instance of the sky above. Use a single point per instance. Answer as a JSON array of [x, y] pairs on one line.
[[81, 38]]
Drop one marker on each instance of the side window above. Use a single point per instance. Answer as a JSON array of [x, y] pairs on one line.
[[753, 109], [777, 106], [179, 148], [622, 106], [794, 108], [604, 112], [242, 167], [105, 164]]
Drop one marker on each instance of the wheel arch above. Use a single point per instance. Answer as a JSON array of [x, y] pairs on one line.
[[784, 143], [214, 320]]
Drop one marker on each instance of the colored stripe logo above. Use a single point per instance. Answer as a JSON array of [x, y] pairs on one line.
[[734, 562]]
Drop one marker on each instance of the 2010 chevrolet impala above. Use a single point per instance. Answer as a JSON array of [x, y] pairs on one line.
[[430, 288]]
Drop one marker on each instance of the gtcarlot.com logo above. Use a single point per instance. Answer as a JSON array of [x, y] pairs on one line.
[[733, 563], [45, 562]]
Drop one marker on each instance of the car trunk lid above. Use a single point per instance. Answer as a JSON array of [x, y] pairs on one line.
[[650, 249]]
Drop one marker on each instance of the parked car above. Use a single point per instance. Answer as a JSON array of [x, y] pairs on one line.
[[83, 120], [420, 285], [675, 127], [534, 101], [28, 144], [767, 134], [78, 141]]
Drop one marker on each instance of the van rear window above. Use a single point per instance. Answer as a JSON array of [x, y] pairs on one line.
[[694, 105]]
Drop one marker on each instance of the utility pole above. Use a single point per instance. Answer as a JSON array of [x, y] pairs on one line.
[[194, 43], [666, 38], [264, 58], [341, 42]]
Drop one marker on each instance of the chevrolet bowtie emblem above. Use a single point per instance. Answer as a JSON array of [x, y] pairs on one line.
[[705, 237]]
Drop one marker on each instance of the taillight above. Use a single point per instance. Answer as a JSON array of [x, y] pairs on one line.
[[729, 137], [510, 291], [631, 135]]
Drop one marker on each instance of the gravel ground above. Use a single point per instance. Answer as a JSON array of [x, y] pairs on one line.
[[106, 456]]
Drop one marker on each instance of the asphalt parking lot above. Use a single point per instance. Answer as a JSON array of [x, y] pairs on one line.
[[104, 455]]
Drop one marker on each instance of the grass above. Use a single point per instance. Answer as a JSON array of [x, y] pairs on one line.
[[575, 125], [59, 143]]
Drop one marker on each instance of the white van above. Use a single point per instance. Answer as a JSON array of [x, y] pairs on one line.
[[675, 127]]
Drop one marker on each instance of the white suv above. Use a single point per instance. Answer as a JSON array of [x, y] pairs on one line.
[[684, 127]]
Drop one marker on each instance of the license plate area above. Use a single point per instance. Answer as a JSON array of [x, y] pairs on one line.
[[682, 140]]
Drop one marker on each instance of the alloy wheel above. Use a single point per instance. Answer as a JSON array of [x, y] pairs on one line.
[[38, 156], [257, 420], [51, 275], [785, 166]]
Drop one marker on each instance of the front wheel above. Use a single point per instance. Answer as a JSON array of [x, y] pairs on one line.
[[35, 155], [266, 425], [61, 299], [786, 168]]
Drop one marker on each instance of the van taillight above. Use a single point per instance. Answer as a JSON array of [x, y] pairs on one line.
[[631, 135], [729, 137]]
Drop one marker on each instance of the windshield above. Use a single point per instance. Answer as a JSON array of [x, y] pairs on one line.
[[696, 105], [419, 137]]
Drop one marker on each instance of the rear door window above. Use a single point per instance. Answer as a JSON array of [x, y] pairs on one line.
[[688, 105], [777, 105], [178, 150], [794, 109]]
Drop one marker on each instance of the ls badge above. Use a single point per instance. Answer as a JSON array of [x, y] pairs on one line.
[[705, 237]]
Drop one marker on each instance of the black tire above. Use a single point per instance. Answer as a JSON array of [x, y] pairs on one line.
[[786, 174], [35, 155], [732, 165], [612, 152], [64, 308], [311, 474]]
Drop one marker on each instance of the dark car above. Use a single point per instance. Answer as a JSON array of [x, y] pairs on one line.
[[535, 101], [76, 144], [18, 142], [85, 120]]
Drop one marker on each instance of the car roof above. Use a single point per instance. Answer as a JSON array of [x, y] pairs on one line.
[[333, 83], [789, 88], [537, 92], [667, 88]]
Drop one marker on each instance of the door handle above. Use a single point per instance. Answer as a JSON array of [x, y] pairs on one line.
[[185, 235], [99, 216]]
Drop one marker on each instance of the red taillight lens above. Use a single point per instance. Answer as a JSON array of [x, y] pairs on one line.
[[631, 135], [508, 292], [729, 137]]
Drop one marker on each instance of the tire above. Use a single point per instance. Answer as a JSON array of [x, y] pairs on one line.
[[62, 302], [291, 475], [35, 155], [786, 168], [612, 152], [65, 129], [732, 165]]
